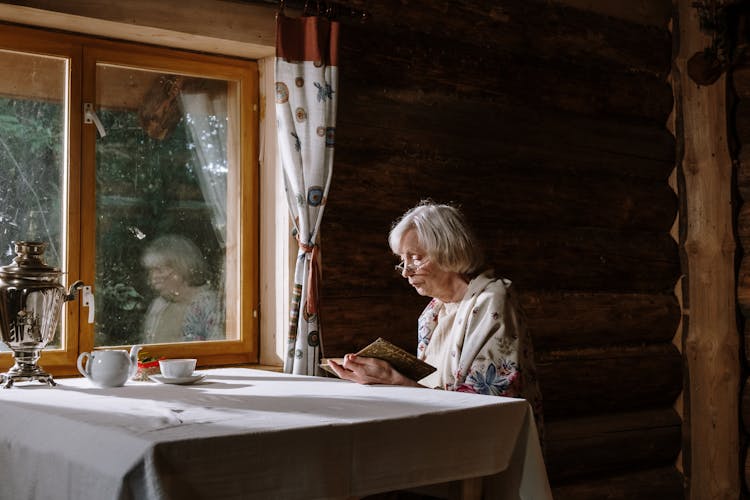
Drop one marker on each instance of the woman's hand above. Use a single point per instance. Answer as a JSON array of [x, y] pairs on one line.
[[364, 370]]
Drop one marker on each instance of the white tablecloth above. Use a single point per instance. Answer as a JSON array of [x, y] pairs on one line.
[[251, 434]]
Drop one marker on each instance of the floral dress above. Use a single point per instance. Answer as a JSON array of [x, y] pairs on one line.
[[485, 348], [200, 319]]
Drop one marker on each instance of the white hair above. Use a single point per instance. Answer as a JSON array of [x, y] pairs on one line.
[[180, 254], [444, 234]]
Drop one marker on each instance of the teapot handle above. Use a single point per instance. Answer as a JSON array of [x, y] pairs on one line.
[[85, 372], [134, 360]]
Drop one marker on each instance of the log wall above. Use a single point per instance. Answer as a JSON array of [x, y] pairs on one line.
[[711, 344], [546, 123]]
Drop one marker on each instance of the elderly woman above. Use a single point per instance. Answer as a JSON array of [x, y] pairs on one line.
[[471, 331], [186, 308]]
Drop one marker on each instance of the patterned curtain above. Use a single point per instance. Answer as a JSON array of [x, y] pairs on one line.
[[306, 86]]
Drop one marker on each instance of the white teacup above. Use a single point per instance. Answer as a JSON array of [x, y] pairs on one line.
[[177, 368]]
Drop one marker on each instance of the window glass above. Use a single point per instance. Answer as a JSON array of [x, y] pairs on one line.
[[33, 102], [161, 201], [136, 166]]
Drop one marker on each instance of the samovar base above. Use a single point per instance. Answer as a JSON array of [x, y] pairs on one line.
[[22, 372]]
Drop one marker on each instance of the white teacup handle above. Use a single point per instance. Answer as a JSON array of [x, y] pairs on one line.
[[85, 372]]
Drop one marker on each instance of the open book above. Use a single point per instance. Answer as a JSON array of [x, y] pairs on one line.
[[404, 362]]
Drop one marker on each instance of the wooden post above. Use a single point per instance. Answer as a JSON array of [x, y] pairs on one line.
[[711, 345]]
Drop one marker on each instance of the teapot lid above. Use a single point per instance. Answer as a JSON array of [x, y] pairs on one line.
[[29, 263]]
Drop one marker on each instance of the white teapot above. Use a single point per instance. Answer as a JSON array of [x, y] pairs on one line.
[[111, 368]]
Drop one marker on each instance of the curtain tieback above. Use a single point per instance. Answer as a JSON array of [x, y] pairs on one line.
[[312, 301]]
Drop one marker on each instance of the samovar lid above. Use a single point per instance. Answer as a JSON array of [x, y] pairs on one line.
[[29, 263]]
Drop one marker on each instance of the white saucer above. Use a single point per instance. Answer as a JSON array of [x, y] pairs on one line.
[[177, 380]]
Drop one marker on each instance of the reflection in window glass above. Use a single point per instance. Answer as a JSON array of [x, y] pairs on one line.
[[161, 191], [33, 94]]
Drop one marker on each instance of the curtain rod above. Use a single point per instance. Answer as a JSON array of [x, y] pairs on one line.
[[330, 10]]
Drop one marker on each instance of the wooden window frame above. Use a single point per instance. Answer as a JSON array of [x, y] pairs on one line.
[[83, 54]]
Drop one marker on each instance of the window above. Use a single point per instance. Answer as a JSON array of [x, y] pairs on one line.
[[138, 167]]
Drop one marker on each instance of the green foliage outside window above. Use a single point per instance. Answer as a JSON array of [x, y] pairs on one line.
[[31, 156], [144, 188]]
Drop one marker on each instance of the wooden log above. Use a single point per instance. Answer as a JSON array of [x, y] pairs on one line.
[[537, 59], [564, 320], [743, 287], [711, 344], [743, 225], [600, 202], [556, 320], [742, 120], [665, 483], [368, 150], [624, 38], [569, 135], [615, 379], [745, 403], [585, 259], [741, 85], [741, 81], [370, 147], [563, 86], [602, 445], [657, 13], [743, 172]]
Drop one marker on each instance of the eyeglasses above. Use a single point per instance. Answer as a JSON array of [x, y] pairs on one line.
[[412, 268]]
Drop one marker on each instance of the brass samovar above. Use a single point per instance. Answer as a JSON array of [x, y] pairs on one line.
[[31, 299]]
